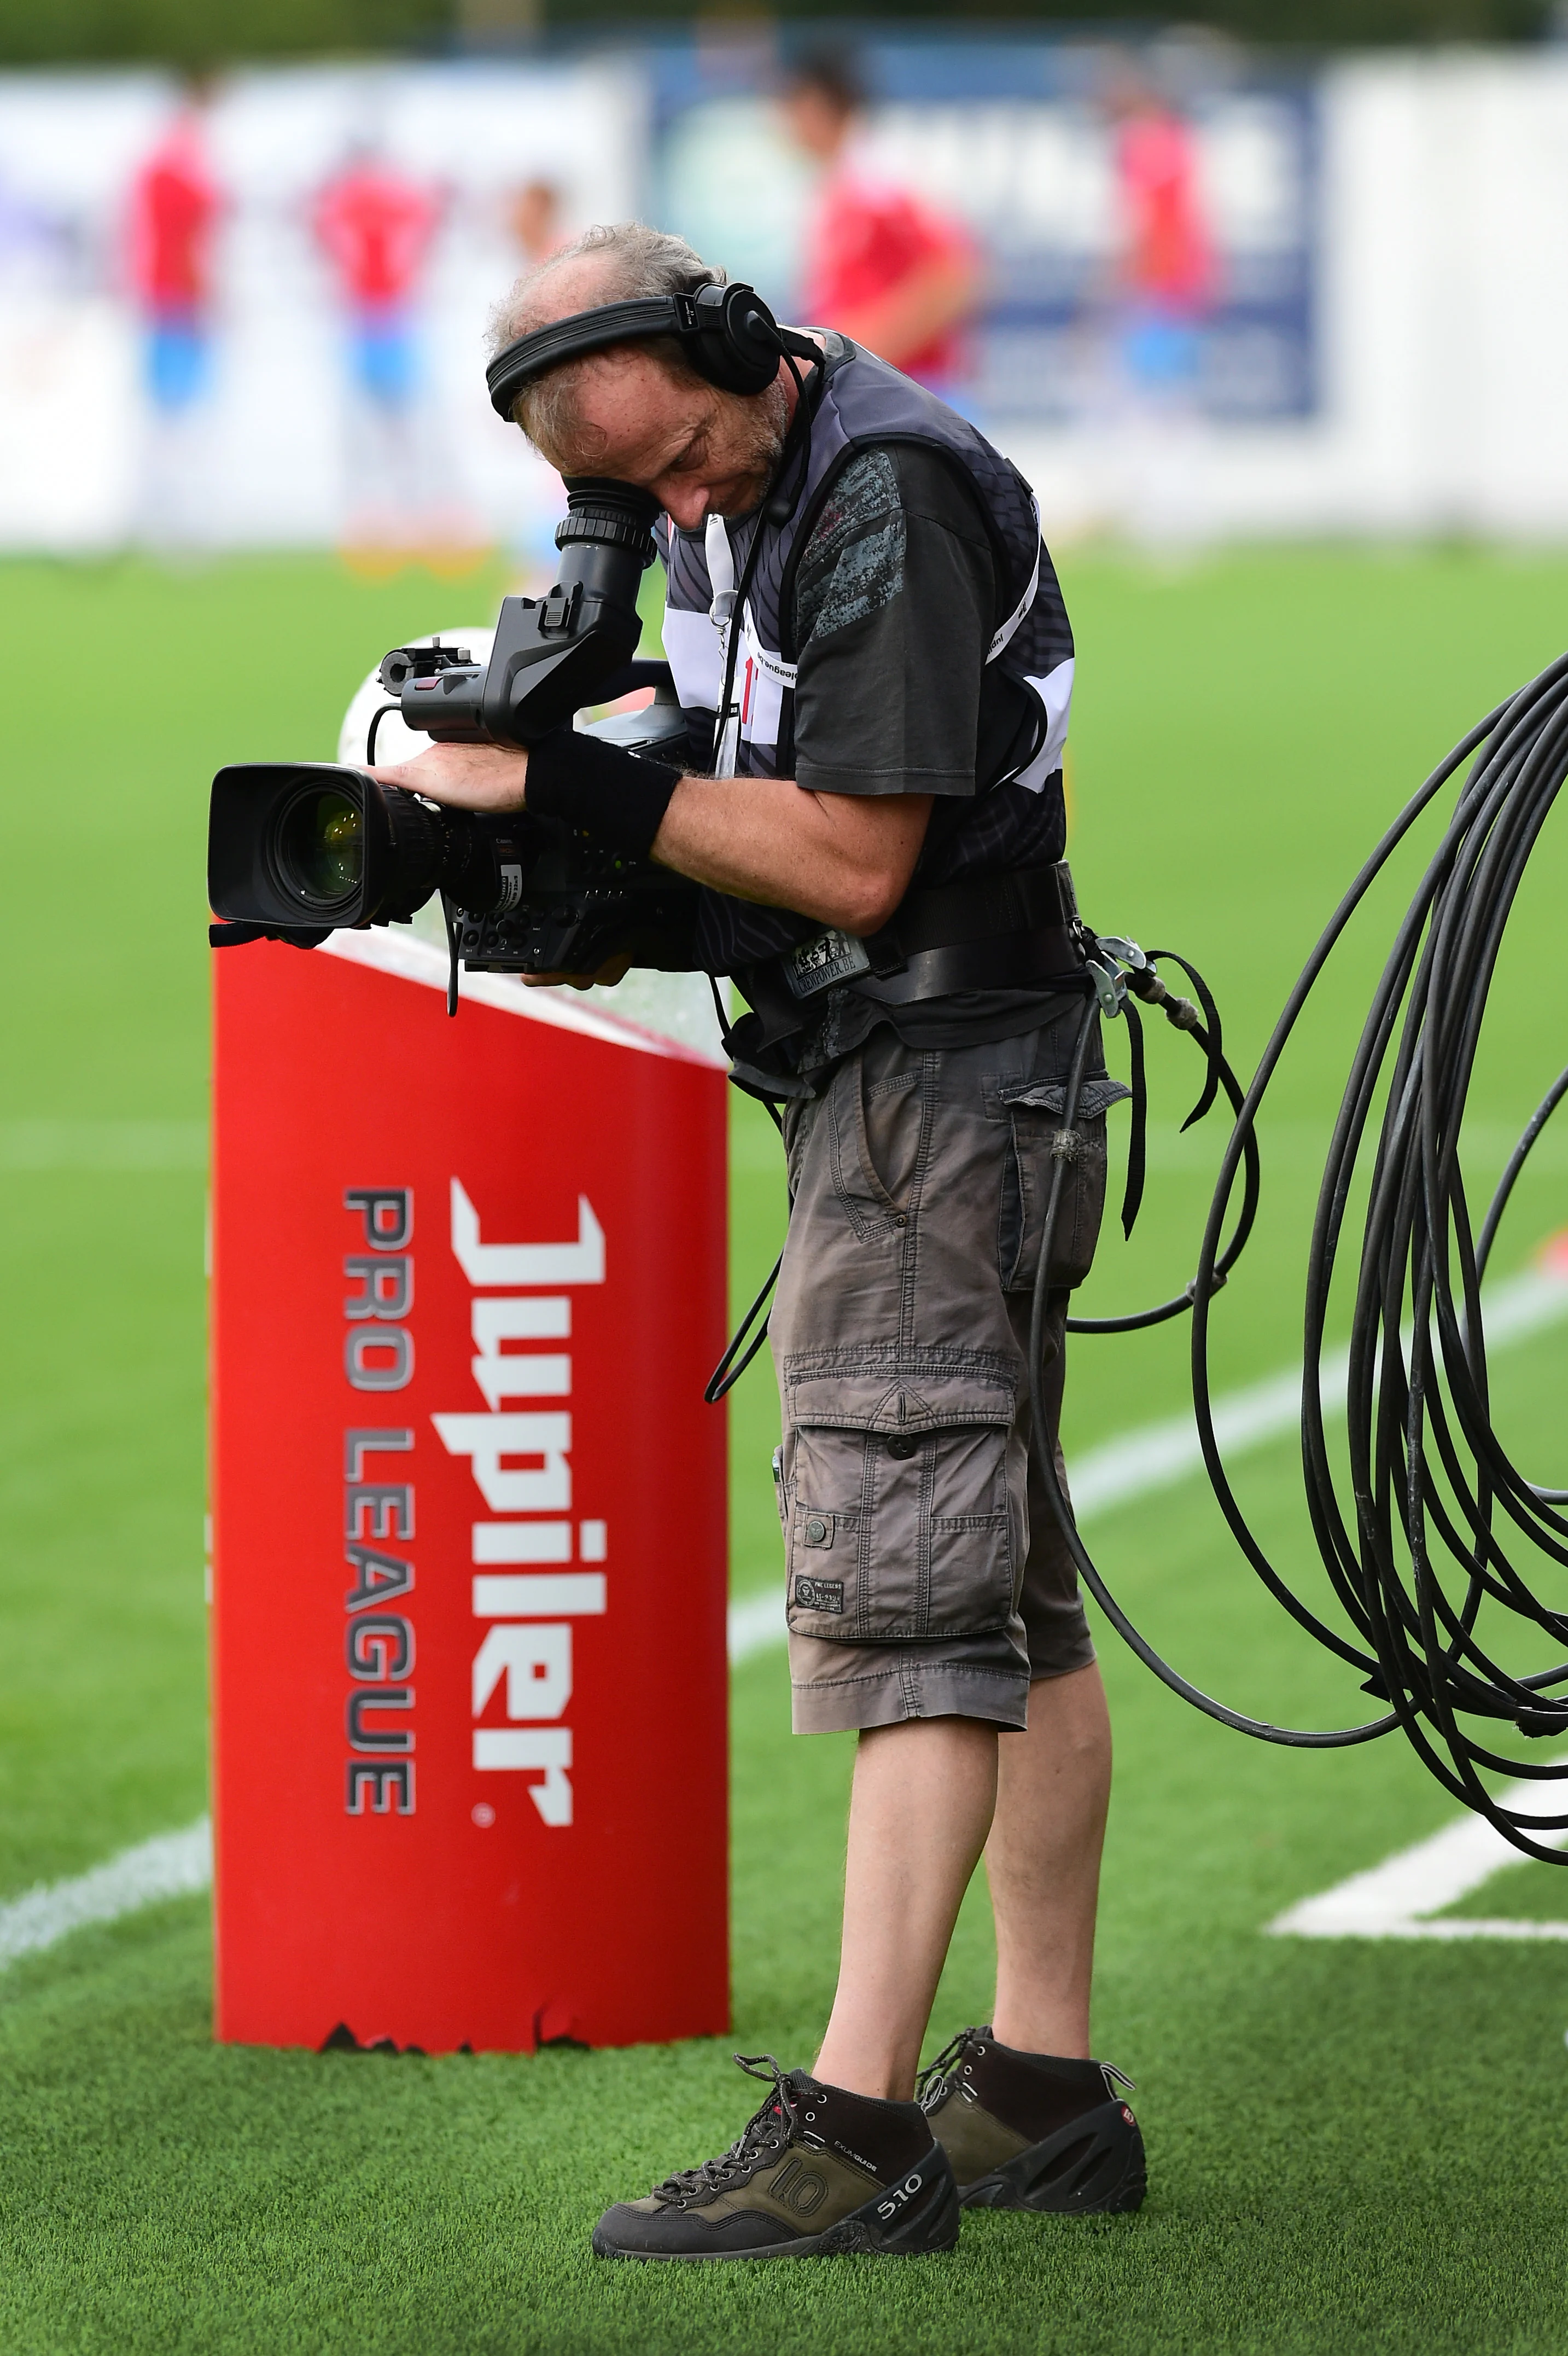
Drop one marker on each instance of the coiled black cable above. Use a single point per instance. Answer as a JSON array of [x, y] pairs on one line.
[[1441, 1515]]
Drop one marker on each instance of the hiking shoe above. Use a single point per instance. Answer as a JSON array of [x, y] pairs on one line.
[[1030, 2131], [818, 2171]]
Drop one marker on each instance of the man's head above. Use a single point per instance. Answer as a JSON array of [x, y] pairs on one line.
[[639, 412]]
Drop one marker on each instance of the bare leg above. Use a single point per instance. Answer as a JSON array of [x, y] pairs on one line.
[[922, 1805], [1043, 1863]]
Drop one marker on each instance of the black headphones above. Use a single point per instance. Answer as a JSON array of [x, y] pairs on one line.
[[727, 334]]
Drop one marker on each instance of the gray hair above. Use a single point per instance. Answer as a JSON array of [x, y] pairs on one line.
[[639, 261]]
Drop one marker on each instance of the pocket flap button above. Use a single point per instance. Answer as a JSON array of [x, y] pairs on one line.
[[903, 1444], [815, 1530]]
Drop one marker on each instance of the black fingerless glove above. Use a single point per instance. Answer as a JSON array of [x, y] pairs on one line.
[[600, 788]]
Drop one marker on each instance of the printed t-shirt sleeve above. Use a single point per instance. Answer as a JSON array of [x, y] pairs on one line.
[[894, 604]]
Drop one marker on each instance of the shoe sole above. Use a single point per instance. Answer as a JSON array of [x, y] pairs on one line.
[[914, 2218], [1092, 2167]]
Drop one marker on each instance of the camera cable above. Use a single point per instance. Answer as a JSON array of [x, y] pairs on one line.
[[374, 730], [1440, 1517]]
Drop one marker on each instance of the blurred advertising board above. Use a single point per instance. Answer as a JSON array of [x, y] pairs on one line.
[[1213, 296], [1131, 233]]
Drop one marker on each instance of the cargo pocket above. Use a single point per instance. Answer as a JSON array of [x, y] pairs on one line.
[[899, 1524], [1038, 1144]]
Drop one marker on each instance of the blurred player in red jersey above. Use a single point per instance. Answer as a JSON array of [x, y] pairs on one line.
[[1164, 288], [375, 225], [173, 212], [1166, 268], [880, 265], [175, 206]]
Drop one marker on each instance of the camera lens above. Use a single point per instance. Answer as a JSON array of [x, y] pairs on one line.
[[321, 847]]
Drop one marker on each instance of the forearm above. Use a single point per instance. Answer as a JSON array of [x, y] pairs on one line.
[[832, 856], [845, 858]]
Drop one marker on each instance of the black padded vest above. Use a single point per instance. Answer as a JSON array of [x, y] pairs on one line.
[[861, 404]]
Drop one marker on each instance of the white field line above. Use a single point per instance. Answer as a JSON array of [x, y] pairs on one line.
[[756, 1622], [1162, 1455], [1393, 1900], [169, 1866], [102, 1145]]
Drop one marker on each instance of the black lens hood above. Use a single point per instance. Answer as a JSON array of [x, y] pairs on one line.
[[248, 880]]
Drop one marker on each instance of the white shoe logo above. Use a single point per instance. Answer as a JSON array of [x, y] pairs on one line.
[[900, 2196]]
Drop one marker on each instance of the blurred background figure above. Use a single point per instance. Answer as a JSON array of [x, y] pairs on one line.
[[879, 263], [534, 218], [374, 223], [174, 209], [537, 223], [1166, 286]]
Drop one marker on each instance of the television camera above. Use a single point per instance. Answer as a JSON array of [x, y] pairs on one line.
[[297, 849]]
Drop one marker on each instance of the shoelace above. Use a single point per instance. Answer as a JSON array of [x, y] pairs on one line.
[[932, 2083], [773, 2130]]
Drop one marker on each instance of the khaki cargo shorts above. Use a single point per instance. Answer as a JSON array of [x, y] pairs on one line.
[[927, 1575]]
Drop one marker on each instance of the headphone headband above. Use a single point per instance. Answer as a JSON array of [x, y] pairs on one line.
[[727, 332]]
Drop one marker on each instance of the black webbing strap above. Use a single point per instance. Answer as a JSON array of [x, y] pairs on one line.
[[1137, 1149], [1214, 1045], [1048, 960]]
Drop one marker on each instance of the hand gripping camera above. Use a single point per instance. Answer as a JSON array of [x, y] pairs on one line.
[[298, 849]]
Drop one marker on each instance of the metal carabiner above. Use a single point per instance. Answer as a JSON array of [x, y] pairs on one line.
[[1127, 951], [1109, 988]]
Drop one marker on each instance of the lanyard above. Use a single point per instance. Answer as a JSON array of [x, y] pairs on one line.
[[720, 559], [728, 597]]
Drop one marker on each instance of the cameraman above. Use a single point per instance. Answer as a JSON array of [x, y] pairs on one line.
[[901, 675]]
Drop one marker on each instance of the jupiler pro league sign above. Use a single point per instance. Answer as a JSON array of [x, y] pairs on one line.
[[469, 1678]]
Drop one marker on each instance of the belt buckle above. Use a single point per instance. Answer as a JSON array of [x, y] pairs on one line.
[[817, 965]]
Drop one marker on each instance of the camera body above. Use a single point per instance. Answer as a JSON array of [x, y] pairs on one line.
[[299, 849], [580, 904]]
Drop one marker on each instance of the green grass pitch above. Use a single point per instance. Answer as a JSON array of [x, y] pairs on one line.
[[1352, 2146]]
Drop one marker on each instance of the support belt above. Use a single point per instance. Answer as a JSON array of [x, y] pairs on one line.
[[996, 932]]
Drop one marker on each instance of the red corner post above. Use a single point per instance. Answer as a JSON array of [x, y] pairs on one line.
[[469, 1690]]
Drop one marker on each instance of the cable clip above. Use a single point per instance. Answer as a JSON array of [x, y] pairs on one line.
[[1127, 951], [1109, 988]]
